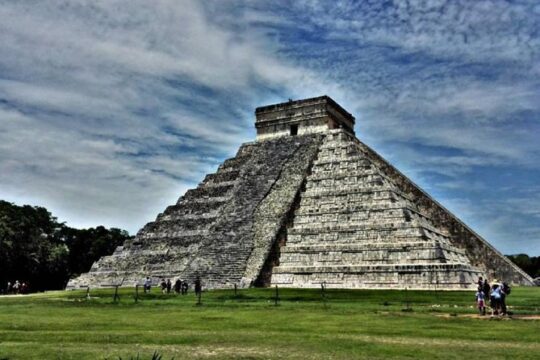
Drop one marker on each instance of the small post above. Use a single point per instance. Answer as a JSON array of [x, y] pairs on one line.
[[235, 292], [276, 299], [407, 302], [136, 293], [116, 297], [406, 298], [198, 290], [323, 293], [88, 293]]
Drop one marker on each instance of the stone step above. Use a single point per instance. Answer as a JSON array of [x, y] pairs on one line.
[[385, 199], [353, 175], [386, 256], [373, 268], [230, 183], [213, 214], [366, 183], [222, 176], [358, 259], [356, 194], [208, 191], [375, 217], [184, 223], [211, 200], [236, 163], [355, 159], [366, 247], [149, 235], [309, 237], [194, 208], [316, 228], [355, 208], [329, 166]]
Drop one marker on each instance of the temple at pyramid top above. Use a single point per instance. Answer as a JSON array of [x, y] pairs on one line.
[[301, 117]]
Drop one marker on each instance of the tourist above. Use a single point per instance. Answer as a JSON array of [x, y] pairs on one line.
[[177, 286], [198, 286], [495, 300], [163, 286], [169, 286], [486, 287], [147, 284], [185, 287], [480, 283], [480, 301], [505, 290]]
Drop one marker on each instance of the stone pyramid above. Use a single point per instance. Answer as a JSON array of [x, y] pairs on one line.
[[306, 203]]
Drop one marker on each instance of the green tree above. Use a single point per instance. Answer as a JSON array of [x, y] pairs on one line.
[[531, 265], [36, 248], [87, 245]]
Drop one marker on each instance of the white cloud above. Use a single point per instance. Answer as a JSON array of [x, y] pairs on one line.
[[109, 110]]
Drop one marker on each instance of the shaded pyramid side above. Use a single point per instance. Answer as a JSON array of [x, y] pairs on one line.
[[356, 227], [223, 229]]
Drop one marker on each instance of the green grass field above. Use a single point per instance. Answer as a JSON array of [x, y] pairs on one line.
[[360, 324]]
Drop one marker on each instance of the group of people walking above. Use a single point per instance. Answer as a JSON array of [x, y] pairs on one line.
[[179, 287], [17, 287], [496, 294]]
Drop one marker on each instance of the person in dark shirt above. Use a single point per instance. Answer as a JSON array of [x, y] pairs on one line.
[[505, 290], [177, 286], [163, 286], [486, 288], [198, 286]]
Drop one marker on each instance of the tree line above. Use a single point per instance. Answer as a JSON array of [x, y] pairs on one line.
[[37, 249], [529, 264]]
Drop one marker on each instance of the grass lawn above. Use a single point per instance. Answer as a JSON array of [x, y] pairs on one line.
[[350, 324]]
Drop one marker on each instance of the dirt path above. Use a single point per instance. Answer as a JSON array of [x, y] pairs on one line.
[[489, 317]]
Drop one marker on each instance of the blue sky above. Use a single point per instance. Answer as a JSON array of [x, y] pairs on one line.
[[110, 110]]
